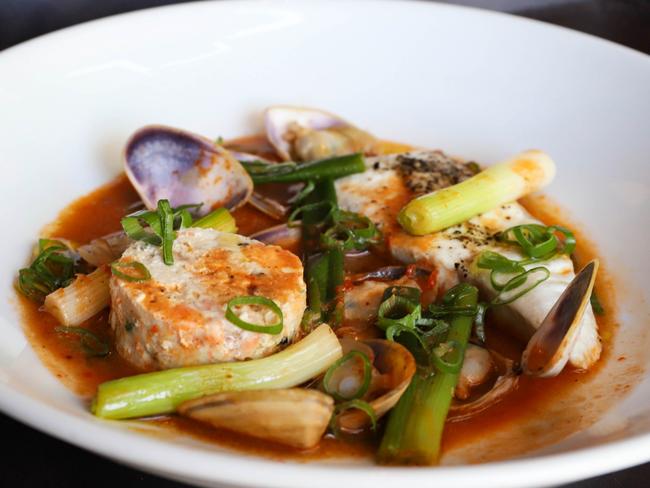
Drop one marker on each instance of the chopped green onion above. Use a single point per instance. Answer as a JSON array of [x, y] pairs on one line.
[[302, 194], [400, 306], [498, 264], [92, 345], [310, 319], [479, 321], [596, 305], [448, 357], [356, 404], [274, 328], [336, 273], [43, 244], [166, 215], [518, 287], [350, 231], [330, 168], [414, 430], [220, 219], [317, 273], [162, 391], [135, 230], [414, 339], [539, 242], [138, 271], [52, 269], [157, 227], [331, 372], [311, 208]]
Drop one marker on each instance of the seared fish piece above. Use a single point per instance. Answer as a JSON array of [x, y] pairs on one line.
[[177, 318], [391, 181]]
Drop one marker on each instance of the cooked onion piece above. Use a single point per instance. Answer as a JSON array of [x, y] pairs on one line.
[[296, 417]]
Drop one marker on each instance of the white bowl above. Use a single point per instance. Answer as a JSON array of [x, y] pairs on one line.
[[478, 84]]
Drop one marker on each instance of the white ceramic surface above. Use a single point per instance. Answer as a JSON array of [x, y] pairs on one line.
[[478, 84]]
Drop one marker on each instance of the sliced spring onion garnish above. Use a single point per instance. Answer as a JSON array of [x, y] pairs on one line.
[[400, 306], [365, 407], [350, 231], [52, 269], [157, 227], [132, 225], [520, 285], [448, 357], [273, 329], [340, 365], [92, 345], [336, 237], [133, 271], [43, 244], [539, 242], [596, 305], [166, 215], [294, 219], [302, 194], [499, 265]]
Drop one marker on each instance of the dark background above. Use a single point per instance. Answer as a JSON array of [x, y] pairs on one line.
[[34, 459]]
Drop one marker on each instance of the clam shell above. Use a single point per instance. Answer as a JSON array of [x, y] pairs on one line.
[[303, 134], [397, 366], [549, 349], [505, 383], [164, 162], [295, 417]]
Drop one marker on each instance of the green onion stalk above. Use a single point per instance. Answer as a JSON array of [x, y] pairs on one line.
[[497, 185], [414, 430], [324, 271], [323, 169], [162, 392], [220, 219]]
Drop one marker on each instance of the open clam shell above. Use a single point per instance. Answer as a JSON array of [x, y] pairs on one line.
[[549, 349], [395, 367], [305, 134], [185, 168], [280, 235], [505, 383], [295, 417]]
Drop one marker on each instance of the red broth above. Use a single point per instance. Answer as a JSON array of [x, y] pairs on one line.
[[79, 222]]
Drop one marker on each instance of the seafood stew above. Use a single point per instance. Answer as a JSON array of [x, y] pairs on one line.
[[314, 286]]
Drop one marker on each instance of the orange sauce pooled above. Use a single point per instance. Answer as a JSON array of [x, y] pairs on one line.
[[99, 213]]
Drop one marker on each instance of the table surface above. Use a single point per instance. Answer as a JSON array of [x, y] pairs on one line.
[[36, 459]]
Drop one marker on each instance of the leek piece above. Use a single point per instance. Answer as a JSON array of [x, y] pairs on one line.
[[414, 430], [221, 219], [497, 185], [161, 392]]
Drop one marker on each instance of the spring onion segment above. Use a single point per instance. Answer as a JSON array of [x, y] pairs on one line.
[[158, 227], [414, 430], [330, 377], [130, 271], [162, 391], [330, 168], [221, 219], [53, 268], [90, 342], [497, 185], [274, 328]]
